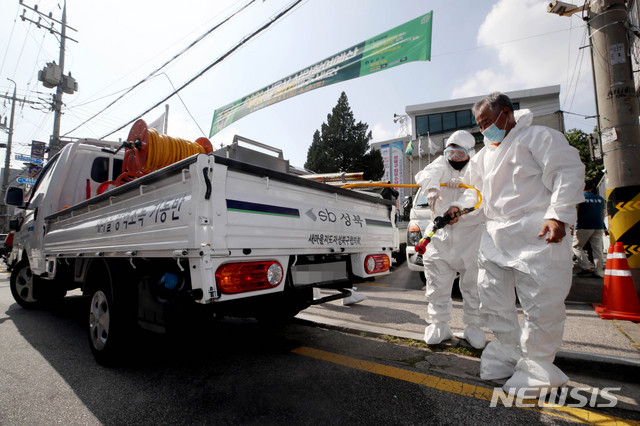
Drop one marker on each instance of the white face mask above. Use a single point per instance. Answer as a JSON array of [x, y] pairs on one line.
[[492, 133]]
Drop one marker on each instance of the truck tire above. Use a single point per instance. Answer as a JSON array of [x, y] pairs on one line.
[[31, 291], [112, 322], [401, 255]]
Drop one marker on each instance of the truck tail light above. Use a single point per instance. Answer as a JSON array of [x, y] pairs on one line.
[[240, 277], [376, 263]]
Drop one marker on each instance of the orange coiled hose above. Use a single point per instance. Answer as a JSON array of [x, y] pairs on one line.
[[147, 151]]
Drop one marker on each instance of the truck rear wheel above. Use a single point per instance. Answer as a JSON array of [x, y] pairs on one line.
[[111, 319], [31, 291]]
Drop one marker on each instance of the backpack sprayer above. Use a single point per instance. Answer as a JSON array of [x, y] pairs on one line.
[[438, 223]]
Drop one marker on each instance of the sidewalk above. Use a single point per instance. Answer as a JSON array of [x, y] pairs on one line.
[[590, 344]]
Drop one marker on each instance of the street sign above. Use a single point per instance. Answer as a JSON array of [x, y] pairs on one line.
[[26, 180], [28, 159]]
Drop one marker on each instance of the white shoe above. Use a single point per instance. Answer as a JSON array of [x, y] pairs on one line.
[[498, 361], [475, 336], [535, 376], [437, 332]]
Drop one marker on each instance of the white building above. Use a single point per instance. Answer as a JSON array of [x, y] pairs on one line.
[[438, 120]]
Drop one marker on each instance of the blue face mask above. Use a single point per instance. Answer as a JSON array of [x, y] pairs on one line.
[[492, 133]]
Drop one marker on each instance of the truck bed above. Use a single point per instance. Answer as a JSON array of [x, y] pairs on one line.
[[230, 206]]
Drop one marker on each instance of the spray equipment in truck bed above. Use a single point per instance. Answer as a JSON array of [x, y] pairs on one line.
[[147, 151]]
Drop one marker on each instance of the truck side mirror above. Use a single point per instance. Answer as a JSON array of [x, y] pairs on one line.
[[407, 202], [15, 197]]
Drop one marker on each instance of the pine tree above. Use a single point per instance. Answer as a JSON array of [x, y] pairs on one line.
[[342, 145]]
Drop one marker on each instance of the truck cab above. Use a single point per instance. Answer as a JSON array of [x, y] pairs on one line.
[[85, 166]]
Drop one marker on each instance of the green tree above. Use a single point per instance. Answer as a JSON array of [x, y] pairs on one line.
[[342, 145], [593, 168]]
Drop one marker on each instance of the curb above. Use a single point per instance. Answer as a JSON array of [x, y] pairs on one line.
[[624, 369]]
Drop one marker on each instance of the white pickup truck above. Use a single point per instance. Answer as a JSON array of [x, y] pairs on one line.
[[206, 233]]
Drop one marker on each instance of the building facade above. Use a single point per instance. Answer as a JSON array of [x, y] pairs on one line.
[[432, 123]]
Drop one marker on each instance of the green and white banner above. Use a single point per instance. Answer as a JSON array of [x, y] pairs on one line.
[[408, 42]]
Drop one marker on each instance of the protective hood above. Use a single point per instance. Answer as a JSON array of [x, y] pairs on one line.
[[524, 117], [462, 138]]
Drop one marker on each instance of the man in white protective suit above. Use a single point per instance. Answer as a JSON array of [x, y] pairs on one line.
[[531, 180], [452, 249]]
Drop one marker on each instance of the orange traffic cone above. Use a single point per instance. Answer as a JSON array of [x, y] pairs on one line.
[[619, 297]]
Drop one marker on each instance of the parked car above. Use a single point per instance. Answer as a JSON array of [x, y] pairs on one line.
[[7, 250], [3, 248], [420, 220]]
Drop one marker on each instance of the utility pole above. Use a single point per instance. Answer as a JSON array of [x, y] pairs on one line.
[[53, 75], [4, 212], [618, 111]]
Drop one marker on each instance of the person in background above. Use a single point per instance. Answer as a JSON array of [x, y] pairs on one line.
[[453, 249], [531, 181], [590, 229]]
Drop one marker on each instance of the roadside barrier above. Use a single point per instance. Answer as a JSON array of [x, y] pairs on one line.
[[619, 296]]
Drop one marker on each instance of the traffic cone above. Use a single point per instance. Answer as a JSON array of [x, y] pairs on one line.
[[619, 297]]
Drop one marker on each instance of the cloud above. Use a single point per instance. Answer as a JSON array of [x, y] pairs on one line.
[[533, 49], [382, 133]]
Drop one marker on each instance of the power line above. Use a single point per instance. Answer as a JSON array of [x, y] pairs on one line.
[[196, 41], [185, 105], [213, 64]]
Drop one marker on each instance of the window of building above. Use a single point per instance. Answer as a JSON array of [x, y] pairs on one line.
[[445, 122], [464, 119], [448, 121], [435, 123]]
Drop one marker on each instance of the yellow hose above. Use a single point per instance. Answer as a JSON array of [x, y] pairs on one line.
[[165, 150], [393, 185]]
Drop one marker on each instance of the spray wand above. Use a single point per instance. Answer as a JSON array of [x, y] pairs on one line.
[[438, 223], [441, 221]]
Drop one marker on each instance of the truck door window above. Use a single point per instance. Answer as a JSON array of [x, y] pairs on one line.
[[100, 169]]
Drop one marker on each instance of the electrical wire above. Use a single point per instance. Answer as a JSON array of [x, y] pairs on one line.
[[213, 64], [183, 104], [196, 41]]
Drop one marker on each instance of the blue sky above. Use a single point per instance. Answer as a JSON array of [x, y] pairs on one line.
[[478, 47]]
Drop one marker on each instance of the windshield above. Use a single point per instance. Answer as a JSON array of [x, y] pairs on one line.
[[421, 199], [43, 179]]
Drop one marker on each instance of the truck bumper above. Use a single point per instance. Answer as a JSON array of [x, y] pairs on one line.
[[414, 260]]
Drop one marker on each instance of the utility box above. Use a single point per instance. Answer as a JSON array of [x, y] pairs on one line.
[[69, 85], [51, 75]]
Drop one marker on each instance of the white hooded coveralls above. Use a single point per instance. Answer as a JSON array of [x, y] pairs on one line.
[[533, 175], [452, 249]]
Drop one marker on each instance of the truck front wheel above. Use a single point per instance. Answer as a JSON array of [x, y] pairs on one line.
[[31, 291]]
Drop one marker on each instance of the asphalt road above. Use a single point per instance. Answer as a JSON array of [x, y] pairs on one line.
[[236, 371]]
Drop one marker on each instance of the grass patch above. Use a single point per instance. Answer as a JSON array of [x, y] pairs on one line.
[[464, 351], [406, 342]]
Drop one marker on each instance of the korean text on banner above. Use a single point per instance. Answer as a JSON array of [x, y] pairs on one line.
[[408, 42]]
